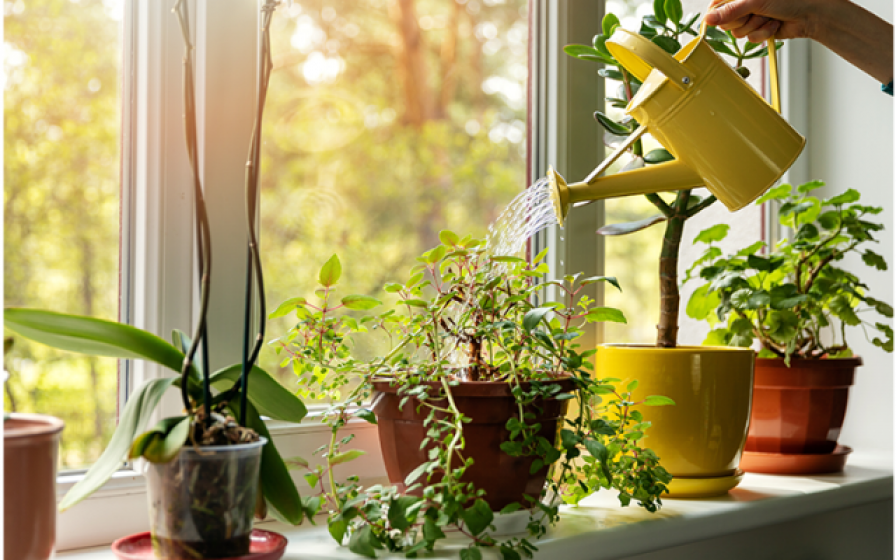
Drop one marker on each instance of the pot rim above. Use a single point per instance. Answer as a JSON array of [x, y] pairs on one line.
[[626, 347], [804, 363], [37, 425], [199, 450], [483, 389]]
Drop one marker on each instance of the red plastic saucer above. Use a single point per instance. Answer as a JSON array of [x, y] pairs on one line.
[[263, 545], [795, 463]]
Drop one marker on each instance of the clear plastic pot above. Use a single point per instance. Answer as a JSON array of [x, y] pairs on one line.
[[201, 502]]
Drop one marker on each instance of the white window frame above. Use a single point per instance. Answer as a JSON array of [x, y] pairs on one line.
[[157, 232]]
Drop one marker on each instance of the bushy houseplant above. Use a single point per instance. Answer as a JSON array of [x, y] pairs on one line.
[[666, 27], [222, 409], [466, 318], [793, 298]]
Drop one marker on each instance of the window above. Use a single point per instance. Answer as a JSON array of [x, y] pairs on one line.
[[358, 161], [61, 205], [386, 122]]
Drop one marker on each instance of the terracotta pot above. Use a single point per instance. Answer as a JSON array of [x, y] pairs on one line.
[[799, 409], [699, 440], [489, 405], [31, 449]]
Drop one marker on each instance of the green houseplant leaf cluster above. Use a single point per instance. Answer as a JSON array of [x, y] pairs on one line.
[[794, 299], [666, 27], [464, 315]]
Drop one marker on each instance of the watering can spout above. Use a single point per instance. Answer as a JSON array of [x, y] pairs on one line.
[[663, 177]]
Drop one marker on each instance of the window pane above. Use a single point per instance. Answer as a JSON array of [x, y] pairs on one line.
[[386, 123], [61, 205]]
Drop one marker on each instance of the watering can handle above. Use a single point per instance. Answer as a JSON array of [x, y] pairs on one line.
[[772, 61], [639, 56]]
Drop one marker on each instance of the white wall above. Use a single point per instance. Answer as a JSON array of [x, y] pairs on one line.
[[850, 145]]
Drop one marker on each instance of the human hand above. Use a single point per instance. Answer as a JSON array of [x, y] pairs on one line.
[[757, 20]]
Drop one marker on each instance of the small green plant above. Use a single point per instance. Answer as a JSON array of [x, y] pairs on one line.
[[666, 27], [464, 315], [794, 300]]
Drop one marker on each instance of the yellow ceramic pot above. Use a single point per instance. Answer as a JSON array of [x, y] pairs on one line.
[[701, 438]]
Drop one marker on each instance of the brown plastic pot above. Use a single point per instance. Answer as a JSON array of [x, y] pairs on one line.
[[489, 405], [799, 409], [31, 448]]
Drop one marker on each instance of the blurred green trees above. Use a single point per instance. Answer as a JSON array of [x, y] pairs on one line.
[[61, 192]]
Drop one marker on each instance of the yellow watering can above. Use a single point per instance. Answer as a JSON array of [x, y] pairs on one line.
[[722, 133]]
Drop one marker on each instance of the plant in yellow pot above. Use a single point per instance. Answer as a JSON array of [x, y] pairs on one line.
[[700, 441]]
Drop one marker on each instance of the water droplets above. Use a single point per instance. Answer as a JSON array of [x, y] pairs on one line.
[[527, 214]]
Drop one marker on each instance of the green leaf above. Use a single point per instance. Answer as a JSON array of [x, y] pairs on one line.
[[508, 553], [673, 10], [312, 479], [94, 337], [360, 302], [716, 34], [364, 542], [132, 420], [431, 531], [366, 414], [780, 192], [612, 126], [717, 337], [658, 156], [659, 10], [478, 517], [810, 186], [337, 529], [472, 553], [848, 197], [712, 234], [759, 263], [415, 474], [534, 317], [597, 449], [609, 24], [269, 397], [841, 307], [786, 296], [277, 485], [600, 314], [759, 298], [609, 279], [449, 238], [881, 307], [330, 272], [346, 456], [658, 400], [170, 436], [702, 303], [609, 73], [873, 259], [398, 512], [631, 227], [782, 325], [288, 307], [746, 251], [668, 44]]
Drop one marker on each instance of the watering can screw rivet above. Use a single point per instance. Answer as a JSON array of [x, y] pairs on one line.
[[685, 80]]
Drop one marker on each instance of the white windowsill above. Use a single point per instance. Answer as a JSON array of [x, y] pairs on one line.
[[599, 529]]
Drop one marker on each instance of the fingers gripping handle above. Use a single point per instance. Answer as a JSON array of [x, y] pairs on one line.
[[772, 61]]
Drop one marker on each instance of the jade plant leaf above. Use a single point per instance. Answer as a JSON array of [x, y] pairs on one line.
[[631, 227], [132, 420], [88, 335], [269, 397]]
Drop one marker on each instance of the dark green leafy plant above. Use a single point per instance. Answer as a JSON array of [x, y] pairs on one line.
[[210, 416], [794, 300], [464, 315], [666, 28]]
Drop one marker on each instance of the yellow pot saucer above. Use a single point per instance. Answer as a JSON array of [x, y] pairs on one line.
[[681, 487]]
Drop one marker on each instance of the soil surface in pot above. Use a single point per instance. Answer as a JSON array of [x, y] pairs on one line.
[[488, 405]]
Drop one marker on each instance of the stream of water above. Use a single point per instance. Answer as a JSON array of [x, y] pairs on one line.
[[527, 214]]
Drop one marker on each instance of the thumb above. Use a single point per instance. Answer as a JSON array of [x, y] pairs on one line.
[[723, 13]]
